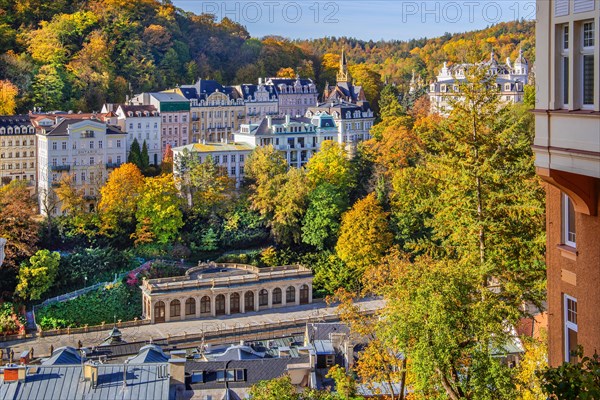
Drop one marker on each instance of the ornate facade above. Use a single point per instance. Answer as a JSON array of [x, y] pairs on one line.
[[144, 124], [294, 95], [18, 150], [260, 100], [510, 80], [211, 290], [216, 110], [344, 90]]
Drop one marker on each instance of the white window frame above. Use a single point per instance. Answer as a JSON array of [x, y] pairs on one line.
[[568, 325], [586, 51], [565, 222]]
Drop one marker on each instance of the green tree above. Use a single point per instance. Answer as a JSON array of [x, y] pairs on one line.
[[345, 385], [48, 87], [364, 237], [573, 381], [158, 215], [144, 157], [389, 106], [135, 154], [38, 275], [279, 388], [322, 220]]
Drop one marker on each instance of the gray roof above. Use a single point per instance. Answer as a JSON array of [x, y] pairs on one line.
[[263, 127], [149, 354], [323, 331], [64, 382], [239, 352], [14, 120], [62, 128], [341, 107], [255, 371], [168, 97], [63, 356]]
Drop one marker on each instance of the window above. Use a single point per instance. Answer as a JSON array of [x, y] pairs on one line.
[[197, 377], [224, 159], [241, 158], [99, 144], [118, 144], [240, 375], [119, 160], [83, 176], [232, 171], [92, 161], [587, 64], [263, 297], [276, 296], [190, 306], [175, 308], [54, 145], [217, 159], [568, 221], [205, 305], [570, 324], [64, 145], [91, 144], [290, 294]]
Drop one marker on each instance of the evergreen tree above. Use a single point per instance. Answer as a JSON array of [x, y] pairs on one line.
[[144, 157], [135, 154]]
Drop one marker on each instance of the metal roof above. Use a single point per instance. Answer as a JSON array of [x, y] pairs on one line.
[[148, 381]]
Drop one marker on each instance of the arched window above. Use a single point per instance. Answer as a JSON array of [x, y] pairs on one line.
[[205, 305], [220, 304], [159, 311], [263, 298], [190, 306], [234, 303], [290, 294], [276, 296], [175, 308], [304, 294], [249, 301]]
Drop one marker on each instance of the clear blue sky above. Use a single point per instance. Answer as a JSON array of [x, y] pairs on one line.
[[363, 19]]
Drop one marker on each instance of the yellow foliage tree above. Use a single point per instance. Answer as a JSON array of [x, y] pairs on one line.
[[119, 198], [286, 73], [8, 95], [365, 236]]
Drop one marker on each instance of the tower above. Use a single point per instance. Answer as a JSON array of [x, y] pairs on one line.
[[521, 66], [343, 75]]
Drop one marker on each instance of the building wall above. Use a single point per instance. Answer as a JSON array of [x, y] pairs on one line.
[[574, 272], [18, 157], [146, 129], [175, 128], [567, 149], [232, 161], [73, 155], [216, 118]]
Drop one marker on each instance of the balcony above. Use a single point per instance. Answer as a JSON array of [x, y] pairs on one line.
[[60, 168], [194, 119], [112, 165]]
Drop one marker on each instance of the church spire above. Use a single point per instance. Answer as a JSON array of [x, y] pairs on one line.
[[343, 74]]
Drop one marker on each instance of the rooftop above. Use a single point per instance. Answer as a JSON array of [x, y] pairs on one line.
[[214, 147]]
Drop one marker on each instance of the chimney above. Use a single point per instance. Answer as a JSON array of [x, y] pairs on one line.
[[177, 371], [90, 372], [14, 373], [179, 354], [287, 118], [260, 81], [269, 121]]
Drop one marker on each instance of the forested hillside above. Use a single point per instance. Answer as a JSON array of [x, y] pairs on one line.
[[77, 54]]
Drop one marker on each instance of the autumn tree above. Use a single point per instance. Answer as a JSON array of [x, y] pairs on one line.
[[286, 73], [119, 197], [279, 388], [158, 215], [38, 275], [18, 227], [330, 164], [8, 95], [290, 206], [265, 168], [364, 236]]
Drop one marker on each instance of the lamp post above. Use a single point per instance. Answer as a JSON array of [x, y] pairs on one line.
[[85, 281]]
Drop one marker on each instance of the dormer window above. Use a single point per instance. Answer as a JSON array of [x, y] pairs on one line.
[[443, 88], [507, 87]]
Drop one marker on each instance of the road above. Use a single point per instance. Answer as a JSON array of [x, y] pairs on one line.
[[316, 311]]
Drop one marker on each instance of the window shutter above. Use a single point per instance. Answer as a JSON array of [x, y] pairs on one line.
[[561, 8], [580, 6]]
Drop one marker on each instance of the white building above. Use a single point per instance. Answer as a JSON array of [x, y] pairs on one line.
[[297, 138], [229, 156], [354, 121], [144, 124], [510, 80], [86, 149]]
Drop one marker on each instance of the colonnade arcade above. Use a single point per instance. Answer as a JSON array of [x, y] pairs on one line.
[[212, 303]]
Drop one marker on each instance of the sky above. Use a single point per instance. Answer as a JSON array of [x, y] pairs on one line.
[[363, 19]]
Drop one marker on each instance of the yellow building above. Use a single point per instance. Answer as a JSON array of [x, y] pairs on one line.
[[216, 111], [18, 150]]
